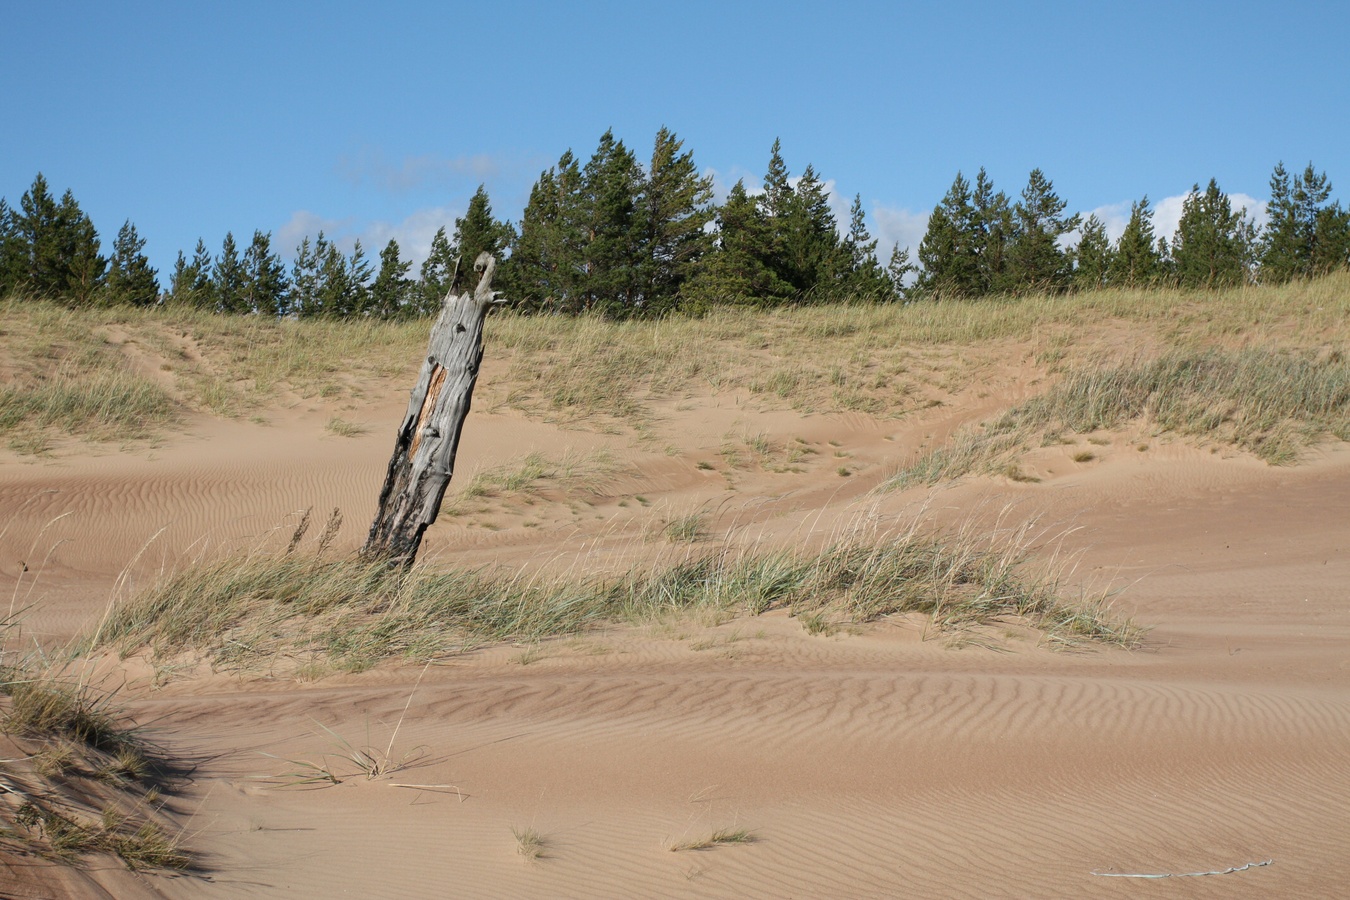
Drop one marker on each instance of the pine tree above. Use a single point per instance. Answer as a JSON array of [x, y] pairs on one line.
[[228, 279], [1036, 262], [1208, 249], [478, 232], [391, 294], [13, 252], [992, 228], [613, 229], [1093, 256], [265, 282], [777, 184], [439, 271], [1331, 249], [776, 203], [341, 291], [304, 293], [948, 253], [190, 283], [1283, 250], [130, 277], [1305, 236], [334, 288], [62, 247], [811, 256], [866, 279], [676, 207], [87, 267], [1137, 260], [898, 270], [739, 271], [548, 262], [46, 271]]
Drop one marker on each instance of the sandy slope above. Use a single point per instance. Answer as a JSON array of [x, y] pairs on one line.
[[875, 764]]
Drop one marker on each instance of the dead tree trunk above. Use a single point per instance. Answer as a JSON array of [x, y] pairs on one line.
[[424, 449]]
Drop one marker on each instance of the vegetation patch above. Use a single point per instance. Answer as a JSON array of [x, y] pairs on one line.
[[882, 359], [718, 838], [352, 614], [1270, 403], [76, 780]]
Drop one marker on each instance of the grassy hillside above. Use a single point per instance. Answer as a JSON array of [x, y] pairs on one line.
[[124, 374]]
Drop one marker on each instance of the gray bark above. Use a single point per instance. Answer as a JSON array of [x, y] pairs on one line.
[[428, 438]]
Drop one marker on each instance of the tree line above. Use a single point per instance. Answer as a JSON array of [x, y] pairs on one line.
[[978, 242], [616, 237]]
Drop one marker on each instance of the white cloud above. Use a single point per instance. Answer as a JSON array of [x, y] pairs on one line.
[[898, 227], [415, 172], [1167, 214], [723, 182], [1115, 216], [304, 223], [413, 234], [754, 186], [839, 205]]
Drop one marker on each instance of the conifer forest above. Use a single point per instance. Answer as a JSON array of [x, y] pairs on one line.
[[620, 236]]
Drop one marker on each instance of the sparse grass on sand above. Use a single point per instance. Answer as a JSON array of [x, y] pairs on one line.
[[528, 476], [352, 613], [78, 781], [881, 360], [530, 844], [343, 428], [719, 837], [1273, 404], [689, 528]]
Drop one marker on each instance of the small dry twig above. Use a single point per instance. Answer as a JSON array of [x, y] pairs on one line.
[[1229, 871]]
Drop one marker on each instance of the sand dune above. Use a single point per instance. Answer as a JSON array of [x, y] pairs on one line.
[[875, 763]]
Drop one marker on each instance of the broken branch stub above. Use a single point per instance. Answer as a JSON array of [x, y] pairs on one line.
[[425, 446]]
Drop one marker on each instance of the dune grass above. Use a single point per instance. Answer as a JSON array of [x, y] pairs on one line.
[[58, 377], [530, 844], [83, 782], [720, 837], [1272, 404], [351, 614], [880, 360]]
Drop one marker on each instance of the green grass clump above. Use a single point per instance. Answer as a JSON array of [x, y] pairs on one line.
[[1271, 403], [44, 706], [83, 782], [530, 844], [342, 428], [687, 529], [99, 404], [354, 613]]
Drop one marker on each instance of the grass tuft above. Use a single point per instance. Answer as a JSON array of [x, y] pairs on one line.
[[530, 844], [353, 613], [342, 428], [717, 838], [82, 782], [1272, 404]]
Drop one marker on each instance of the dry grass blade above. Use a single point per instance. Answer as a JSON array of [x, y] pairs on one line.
[[84, 782], [354, 613], [530, 844], [717, 838]]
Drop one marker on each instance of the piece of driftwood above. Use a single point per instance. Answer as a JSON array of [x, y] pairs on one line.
[[425, 446]]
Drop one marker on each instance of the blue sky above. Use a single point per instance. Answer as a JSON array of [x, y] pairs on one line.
[[380, 120]]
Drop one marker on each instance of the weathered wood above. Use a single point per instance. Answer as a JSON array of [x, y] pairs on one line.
[[428, 438]]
